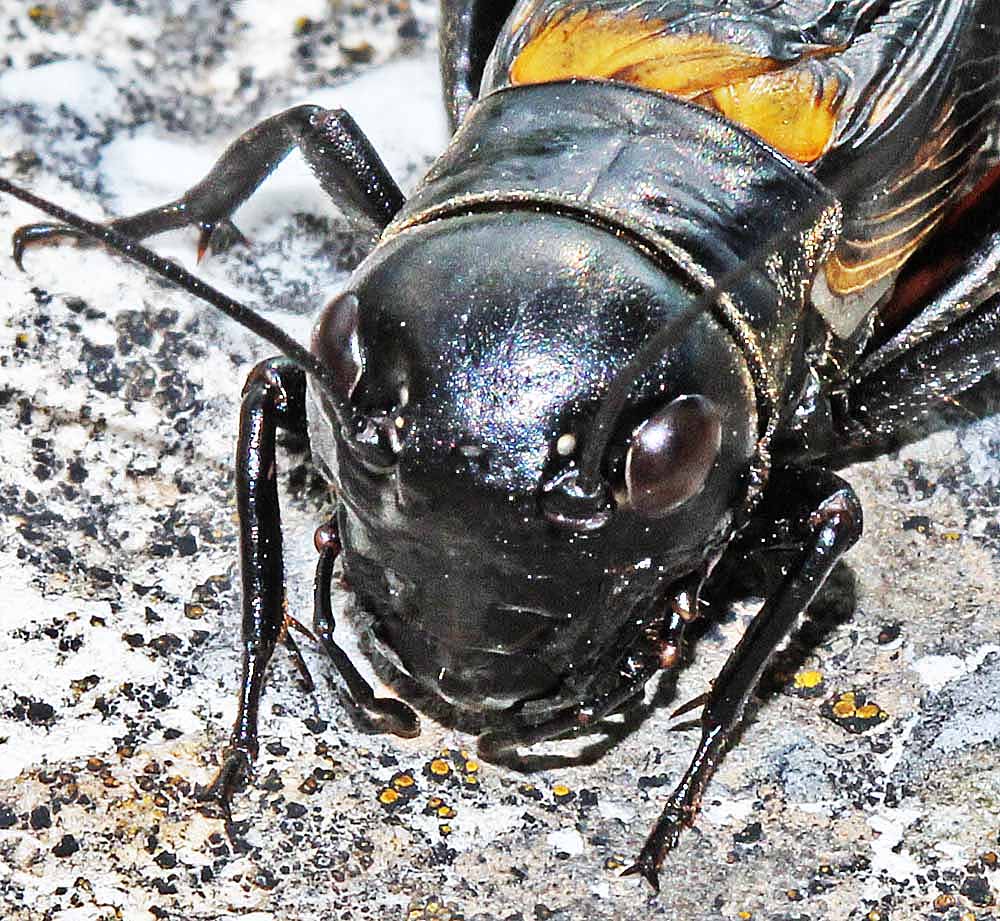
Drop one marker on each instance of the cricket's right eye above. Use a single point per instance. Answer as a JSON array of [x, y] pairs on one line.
[[374, 432], [336, 341]]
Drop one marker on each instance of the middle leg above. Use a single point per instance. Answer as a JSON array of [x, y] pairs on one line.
[[347, 166]]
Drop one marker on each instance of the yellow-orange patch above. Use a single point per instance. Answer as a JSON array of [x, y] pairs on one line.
[[787, 109], [632, 50], [780, 102], [808, 679]]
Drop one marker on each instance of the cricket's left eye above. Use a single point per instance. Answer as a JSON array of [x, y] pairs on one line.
[[671, 454]]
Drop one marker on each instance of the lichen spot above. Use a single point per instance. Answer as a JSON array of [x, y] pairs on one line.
[[561, 793], [844, 707], [852, 711], [403, 781], [388, 797], [808, 683], [808, 679], [439, 768]]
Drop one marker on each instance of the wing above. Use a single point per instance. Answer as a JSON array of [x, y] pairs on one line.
[[923, 98], [469, 28], [889, 102]]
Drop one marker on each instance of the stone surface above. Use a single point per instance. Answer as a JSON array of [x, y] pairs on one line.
[[118, 641]]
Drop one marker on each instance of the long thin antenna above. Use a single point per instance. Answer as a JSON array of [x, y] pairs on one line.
[[180, 276]]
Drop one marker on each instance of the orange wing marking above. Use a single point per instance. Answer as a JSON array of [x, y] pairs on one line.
[[632, 50], [793, 110], [844, 279], [787, 105]]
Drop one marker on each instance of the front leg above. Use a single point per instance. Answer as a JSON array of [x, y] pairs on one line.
[[342, 158], [820, 512], [273, 398], [385, 712]]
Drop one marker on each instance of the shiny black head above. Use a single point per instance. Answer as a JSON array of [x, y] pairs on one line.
[[474, 353]]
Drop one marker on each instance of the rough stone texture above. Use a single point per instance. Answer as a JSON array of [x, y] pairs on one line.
[[118, 641]]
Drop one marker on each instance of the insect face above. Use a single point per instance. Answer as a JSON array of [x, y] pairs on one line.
[[629, 324], [478, 349]]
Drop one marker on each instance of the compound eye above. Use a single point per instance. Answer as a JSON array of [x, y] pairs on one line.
[[671, 455], [337, 343]]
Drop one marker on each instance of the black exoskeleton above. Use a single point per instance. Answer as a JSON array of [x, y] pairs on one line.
[[623, 330]]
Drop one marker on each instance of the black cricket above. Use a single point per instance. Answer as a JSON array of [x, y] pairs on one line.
[[588, 372]]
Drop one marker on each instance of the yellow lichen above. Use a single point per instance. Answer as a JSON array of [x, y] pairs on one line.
[[844, 707], [808, 679], [440, 768]]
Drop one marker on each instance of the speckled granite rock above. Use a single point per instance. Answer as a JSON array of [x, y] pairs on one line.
[[118, 641]]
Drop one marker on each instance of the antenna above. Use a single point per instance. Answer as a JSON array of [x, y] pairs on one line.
[[171, 271]]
